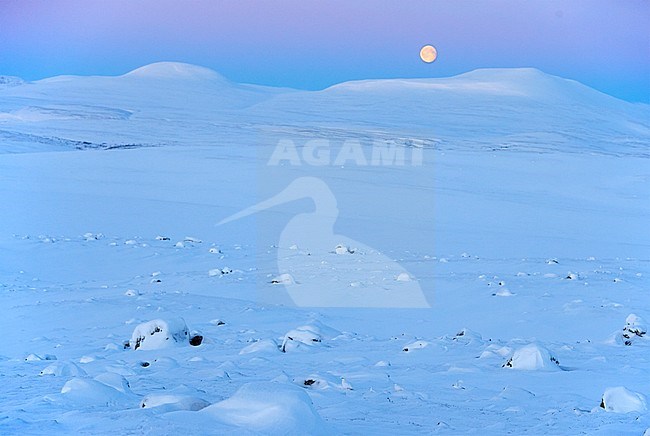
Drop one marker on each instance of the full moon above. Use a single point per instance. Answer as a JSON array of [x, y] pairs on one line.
[[428, 53]]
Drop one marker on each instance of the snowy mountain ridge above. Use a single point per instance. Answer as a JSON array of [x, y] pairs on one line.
[[525, 82], [482, 109]]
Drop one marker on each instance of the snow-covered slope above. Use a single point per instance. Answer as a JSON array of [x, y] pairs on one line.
[[157, 104], [523, 108], [523, 231]]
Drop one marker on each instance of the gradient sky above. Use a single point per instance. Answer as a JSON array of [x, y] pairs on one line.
[[313, 44]]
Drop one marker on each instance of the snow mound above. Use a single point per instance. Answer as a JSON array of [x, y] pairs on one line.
[[532, 358], [36, 358], [94, 393], [132, 293], [175, 70], [62, 369], [262, 346], [156, 334], [403, 277], [270, 408], [621, 400], [114, 380], [172, 402], [324, 330], [305, 335]]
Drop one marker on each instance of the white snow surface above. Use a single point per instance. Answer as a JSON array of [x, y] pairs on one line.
[[526, 179]]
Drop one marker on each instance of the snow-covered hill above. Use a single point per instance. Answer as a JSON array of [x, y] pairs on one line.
[[520, 238], [159, 104], [492, 108]]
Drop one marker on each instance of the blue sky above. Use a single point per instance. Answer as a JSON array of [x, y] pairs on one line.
[[312, 44]]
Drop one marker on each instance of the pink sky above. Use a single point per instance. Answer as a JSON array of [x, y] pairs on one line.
[[313, 44]]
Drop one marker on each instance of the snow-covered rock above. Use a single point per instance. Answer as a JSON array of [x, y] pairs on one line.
[[285, 279], [270, 408], [306, 335], [311, 382], [88, 392], [532, 357], [159, 333], [36, 358], [634, 329], [93, 236], [417, 345], [219, 271], [467, 336], [503, 292], [63, 369], [196, 338], [342, 249], [621, 400]]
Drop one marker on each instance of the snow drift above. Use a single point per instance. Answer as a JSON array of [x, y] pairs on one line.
[[270, 408]]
